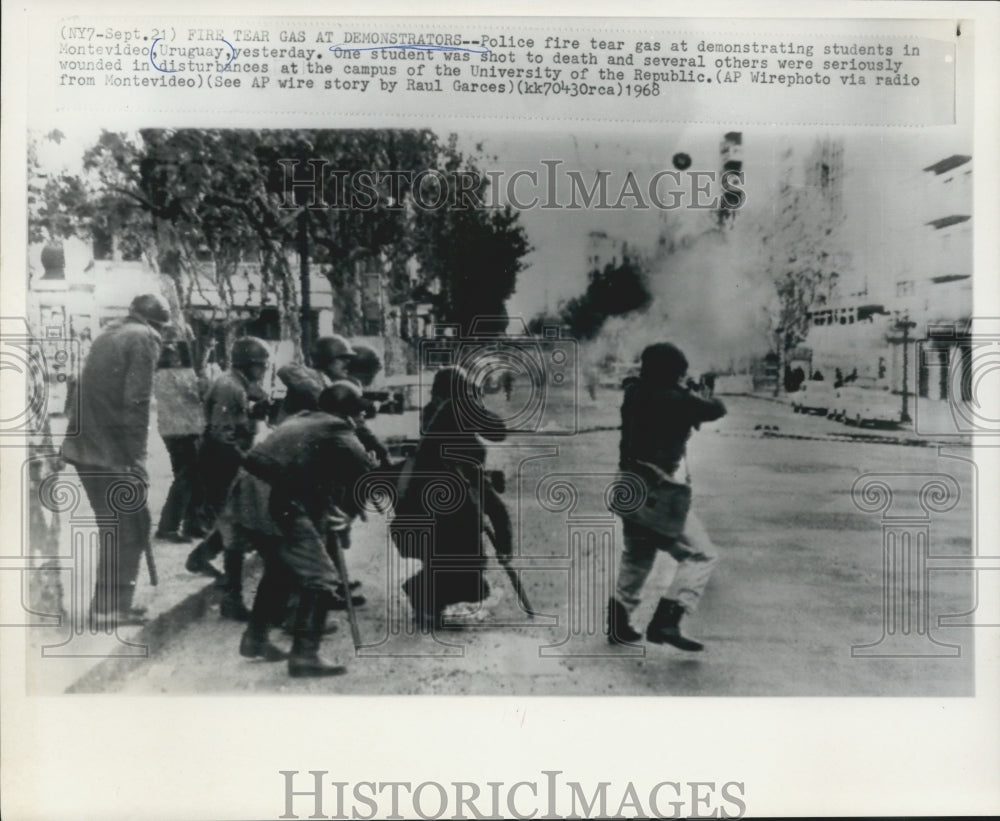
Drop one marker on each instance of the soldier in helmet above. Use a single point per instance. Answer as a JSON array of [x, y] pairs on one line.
[[235, 401], [312, 461], [331, 357], [110, 448], [334, 359]]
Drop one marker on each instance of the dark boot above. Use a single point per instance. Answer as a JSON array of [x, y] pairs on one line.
[[199, 559], [338, 600], [309, 621], [665, 627], [232, 606], [619, 630], [425, 615], [256, 644]]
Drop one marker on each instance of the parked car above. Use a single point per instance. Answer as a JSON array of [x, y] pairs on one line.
[[813, 397], [868, 401]]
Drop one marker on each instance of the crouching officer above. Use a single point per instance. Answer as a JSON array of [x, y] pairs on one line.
[[312, 461]]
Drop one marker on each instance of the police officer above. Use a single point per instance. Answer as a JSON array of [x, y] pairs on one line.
[[235, 401], [312, 461]]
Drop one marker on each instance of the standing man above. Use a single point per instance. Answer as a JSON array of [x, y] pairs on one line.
[[658, 414], [180, 417], [110, 450], [233, 405]]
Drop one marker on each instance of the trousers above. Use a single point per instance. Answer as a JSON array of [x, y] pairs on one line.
[[183, 498], [694, 552], [119, 503]]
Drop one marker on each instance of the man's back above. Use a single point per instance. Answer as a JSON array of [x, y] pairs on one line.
[[114, 397], [657, 422]]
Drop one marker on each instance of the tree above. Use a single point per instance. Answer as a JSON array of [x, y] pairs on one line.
[[56, 201], [469, 256], [614, 291], [801, 250], [224, 214]]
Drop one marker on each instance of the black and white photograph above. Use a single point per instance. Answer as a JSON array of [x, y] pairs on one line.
[[530, 342], [603, 404]]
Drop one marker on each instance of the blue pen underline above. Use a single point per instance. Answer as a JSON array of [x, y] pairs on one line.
[[410, 47]]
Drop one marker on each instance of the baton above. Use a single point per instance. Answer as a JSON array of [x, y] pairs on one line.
[[338, 556], [515, 580], [154, 577]]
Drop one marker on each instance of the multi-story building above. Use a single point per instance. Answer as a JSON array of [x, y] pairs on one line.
[[917, 311]]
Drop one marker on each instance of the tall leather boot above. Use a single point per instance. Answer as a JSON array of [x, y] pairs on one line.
[[199, 560], [255, 642], [309, 621], [665, 627], [619, 630], [232, 606]]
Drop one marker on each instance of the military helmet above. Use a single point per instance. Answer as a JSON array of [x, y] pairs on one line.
[[365, 364], [327, 348], [343, 398], [152, 308], [249, 350]]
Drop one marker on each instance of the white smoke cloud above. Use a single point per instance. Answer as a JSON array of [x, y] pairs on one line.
[[710, 291]]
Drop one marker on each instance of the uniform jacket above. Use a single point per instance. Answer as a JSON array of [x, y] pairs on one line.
[[227, 411], [179, 407], [115, 391], [304, 385], [657, 422], [314, 459]]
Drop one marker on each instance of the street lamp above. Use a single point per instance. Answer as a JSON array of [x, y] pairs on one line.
[[905, 325], [779, 344]]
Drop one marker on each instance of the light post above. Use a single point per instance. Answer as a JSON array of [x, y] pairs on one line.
[[779, 345], [905, 325]]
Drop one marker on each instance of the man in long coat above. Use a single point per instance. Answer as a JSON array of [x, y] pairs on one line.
[[110, 449]]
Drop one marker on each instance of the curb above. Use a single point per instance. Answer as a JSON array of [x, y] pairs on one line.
[[155, 636]]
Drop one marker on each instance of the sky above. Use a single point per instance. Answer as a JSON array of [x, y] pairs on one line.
[[882, 185], [883, 168]]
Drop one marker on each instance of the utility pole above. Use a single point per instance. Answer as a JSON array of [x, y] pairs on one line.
[[305, 303], [779, 374], [905, 325]]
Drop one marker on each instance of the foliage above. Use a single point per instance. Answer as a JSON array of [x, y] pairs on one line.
[[470, 256], [614, 291], [214, 211], [800, 252]]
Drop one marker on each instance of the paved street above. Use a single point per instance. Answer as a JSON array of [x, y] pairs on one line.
[[801, 580]]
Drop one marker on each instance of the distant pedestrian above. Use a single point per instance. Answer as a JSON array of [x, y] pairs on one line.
[[109, 448], [658, 415], [180, 418]]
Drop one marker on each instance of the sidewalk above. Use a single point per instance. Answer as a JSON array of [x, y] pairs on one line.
[[935, 422], [77, 650]]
